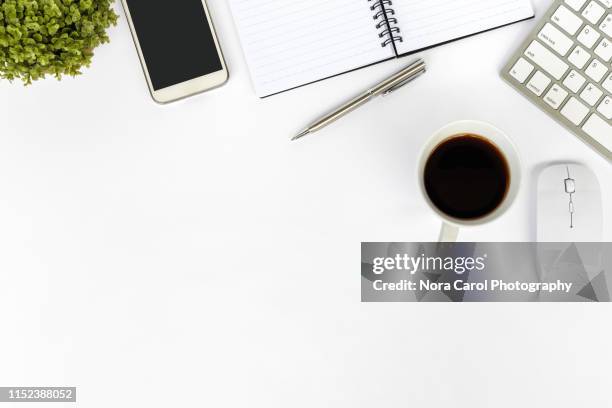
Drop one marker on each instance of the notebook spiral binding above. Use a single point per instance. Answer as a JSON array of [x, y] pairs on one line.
[[386, 21]]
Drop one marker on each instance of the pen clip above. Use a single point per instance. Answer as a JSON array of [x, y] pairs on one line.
[[403, 83]]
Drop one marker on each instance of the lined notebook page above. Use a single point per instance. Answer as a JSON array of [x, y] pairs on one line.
[[288, 43], [424, 23]]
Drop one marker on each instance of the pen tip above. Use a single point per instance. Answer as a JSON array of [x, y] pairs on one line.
[[301, 135]]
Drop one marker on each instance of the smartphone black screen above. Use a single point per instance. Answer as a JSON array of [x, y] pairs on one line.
[[176, 40]]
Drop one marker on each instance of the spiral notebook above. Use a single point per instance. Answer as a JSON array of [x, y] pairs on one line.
[[290, 43]]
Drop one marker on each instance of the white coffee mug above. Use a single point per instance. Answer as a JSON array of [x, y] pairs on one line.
[[451, 225]]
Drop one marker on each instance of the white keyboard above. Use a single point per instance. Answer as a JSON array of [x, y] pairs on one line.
[[564, 67]]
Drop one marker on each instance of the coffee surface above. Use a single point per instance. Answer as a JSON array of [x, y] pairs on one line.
[[467, 177]]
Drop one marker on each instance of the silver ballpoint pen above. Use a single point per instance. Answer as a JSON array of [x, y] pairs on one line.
[[386, 87]]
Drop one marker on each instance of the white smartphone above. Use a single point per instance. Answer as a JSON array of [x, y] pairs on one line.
[[177, 45]]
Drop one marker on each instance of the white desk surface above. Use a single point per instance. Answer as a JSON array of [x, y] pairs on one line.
[[190, 255]]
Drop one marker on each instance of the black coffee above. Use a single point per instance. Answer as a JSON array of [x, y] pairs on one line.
[[467, 177]]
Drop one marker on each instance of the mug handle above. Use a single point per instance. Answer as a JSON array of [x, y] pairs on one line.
[[448, 233]]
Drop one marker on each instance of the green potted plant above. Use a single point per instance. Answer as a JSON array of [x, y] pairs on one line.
[[51, 37]]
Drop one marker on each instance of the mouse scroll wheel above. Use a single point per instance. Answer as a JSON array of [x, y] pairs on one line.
[[570, 186]]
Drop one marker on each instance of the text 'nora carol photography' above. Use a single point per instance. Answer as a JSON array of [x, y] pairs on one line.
[[460, 285]]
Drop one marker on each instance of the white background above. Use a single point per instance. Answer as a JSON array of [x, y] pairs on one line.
[[190, 255]]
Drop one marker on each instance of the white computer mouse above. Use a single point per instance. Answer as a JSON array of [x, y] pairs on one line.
[[569, 205]]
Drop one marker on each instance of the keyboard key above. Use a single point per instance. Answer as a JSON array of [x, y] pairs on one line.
[[556, 96], [607, 3], [574, 81], [575, 4], [599, 130], [588, 36], [591, 94], [521, 70], [605, 107], [547, 60], [567, 20], [579, 57], [555, 39], [575, 111], [596, 70], [593, 12], [538, 84], [604, 50], [607, 83], [606, 26]]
